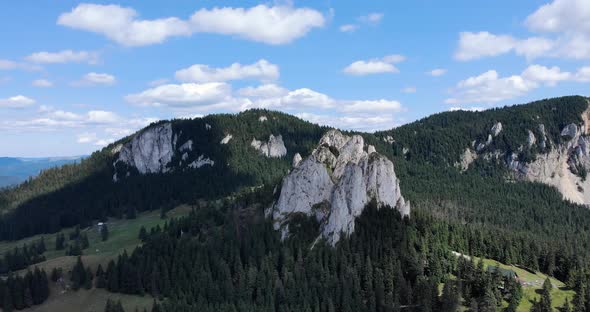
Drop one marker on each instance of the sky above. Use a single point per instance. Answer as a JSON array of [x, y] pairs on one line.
[[76, 76]]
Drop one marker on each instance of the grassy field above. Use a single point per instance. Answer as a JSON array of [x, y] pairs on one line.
[[532, 285], [123, 235]]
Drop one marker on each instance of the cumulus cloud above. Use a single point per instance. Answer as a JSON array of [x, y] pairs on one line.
[[263, 91], [437, 72], [375, 66], [65, 56], [372, 18], [561, 16], [489, 87], [18, 101], [268, 24], [372, 106], [272, 25], [261, 70], [183, 95], [348, 28], [356, 122], [42, 83], [409, 90], [11, 65], [93, 79], [563, 24]]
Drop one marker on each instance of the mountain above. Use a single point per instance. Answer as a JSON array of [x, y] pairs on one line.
[[16, 170], [288, 215]]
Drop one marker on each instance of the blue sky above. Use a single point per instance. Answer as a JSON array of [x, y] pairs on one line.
[[75, 76]]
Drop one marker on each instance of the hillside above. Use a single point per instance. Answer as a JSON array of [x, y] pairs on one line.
[[16, 170], [465, 174]]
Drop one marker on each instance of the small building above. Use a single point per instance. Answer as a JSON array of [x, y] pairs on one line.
[[100, 225], [504, 272]]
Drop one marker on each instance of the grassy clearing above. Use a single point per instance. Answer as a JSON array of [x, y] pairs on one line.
[[123, 235], [93, 300], [533, 284]]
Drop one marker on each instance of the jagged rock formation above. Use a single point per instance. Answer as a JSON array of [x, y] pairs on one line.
[[262, 118], [149, 151], [531, 139], [496, 129], [468, 157], [563, 166], [275, 147], [201, 161], [335, 183], [226, 139], [296, 160]]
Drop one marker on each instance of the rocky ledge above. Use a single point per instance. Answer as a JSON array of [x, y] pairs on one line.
[[335, 183]]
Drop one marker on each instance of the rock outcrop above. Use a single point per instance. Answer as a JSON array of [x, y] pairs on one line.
[[226, 139], [335, 183], [200, 162], [564, 166], [149, 151], [275, 147], [496, 129]]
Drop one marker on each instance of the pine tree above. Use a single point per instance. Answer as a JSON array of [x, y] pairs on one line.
[[566, 306], [60, 241], [104, 232], [488, 302], [88, 279], [545, 303], [449, 298]]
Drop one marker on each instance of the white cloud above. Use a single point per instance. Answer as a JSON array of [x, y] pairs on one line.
[[583, 74], [375, 66], [561, 16], [121, 25], [348, 28], [102, 117], [182, 95], [550, 76], [7, 64], [437, 72], [93, 79], [42, 83], [372, 18], [261, 70], [271, 25], [158, 82], [409, 90], [18, 101], [263, 91], [86, 137], [477, 45], [372, 106], [563, 22], [65, 56], [489, 87], [356, 122]]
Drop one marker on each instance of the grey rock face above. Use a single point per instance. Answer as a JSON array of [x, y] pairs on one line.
[[262, 118], [275, 147], [296, 160], [335, 183], [200, 162], [149, 151], [186, 147], [226, 139], [496, 129], [531, 139], [570, 131]]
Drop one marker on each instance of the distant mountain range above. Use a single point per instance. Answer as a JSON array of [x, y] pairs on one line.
[[14, 170]]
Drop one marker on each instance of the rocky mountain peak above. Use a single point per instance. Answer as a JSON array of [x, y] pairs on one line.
[[335, 183]]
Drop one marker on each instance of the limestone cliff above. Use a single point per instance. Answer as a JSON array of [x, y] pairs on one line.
[[335, 183], [150, 151]]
